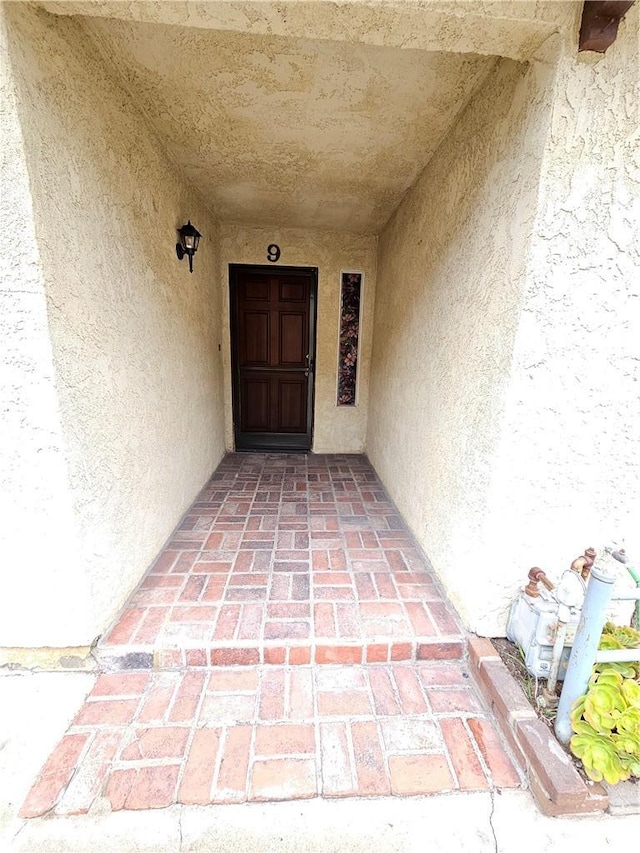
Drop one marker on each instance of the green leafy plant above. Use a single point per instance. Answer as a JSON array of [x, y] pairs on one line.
[[606, 720], [619, 637]]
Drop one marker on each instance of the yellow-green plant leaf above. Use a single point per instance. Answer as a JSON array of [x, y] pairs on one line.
[[580, 727], [611, 677], [628, 743], [625, 635], [631, 692], [605, 760], [577, 709], [629, 721], [626, 670], [632, 766], [606, 722], [608, 641]]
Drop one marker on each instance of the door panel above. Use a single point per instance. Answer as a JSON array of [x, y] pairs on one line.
[[255, 338], [256, 403], [292, 291], [256, 288], [292, 340], [273, 341], [292, 414]]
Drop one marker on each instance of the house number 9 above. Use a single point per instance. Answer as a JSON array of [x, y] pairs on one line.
[[273, 253]]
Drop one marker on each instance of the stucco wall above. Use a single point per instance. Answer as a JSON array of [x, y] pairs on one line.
[[450, 268], [337, 429], [38, 528], [507, 329], [134, 336], [567, 474]]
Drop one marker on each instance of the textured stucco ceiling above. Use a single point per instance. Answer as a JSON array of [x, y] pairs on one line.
[[283, 131]]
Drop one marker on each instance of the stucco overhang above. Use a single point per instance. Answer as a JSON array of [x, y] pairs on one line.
[[512, 28], [290, 132], [308, 114]]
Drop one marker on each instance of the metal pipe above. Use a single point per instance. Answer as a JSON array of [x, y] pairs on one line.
[[636, 577], [622, 558], [615, 655], [556, 656], [585, 646], [536, 576], [582, 564]]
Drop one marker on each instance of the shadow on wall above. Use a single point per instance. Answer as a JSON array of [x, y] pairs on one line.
[[134, 335], [451, 268]]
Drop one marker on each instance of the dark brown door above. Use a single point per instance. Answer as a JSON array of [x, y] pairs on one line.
[[273, 325]]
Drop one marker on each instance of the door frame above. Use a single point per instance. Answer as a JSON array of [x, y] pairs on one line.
[[272, 442]]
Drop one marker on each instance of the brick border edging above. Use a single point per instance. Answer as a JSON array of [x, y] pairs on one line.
[[556, 785], [111, 658]]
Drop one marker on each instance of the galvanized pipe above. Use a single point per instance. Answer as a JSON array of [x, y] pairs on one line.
[[585, 646], [556, 656]]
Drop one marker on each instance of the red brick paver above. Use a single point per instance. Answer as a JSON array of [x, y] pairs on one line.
[[289, 642], [273, 733], [286, 559]]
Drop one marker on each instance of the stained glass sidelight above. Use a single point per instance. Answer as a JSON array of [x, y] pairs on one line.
[[350, 293]]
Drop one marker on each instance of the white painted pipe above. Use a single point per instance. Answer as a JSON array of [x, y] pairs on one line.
[[585, 647], [617, 655]]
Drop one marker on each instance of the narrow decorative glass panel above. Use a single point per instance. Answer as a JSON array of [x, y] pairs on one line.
[[349, 333]]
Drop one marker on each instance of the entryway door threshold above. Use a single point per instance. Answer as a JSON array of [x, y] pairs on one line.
[[273, 442]]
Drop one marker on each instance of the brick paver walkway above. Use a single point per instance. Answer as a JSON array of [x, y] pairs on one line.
[[286, 559], [232, 734], [213, 689]]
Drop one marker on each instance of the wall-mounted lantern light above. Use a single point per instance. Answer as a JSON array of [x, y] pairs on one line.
[[188, 245]]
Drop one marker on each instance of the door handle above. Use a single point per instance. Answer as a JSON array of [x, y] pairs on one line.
[[307, 358]]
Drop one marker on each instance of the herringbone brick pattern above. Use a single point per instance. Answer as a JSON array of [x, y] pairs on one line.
[[286, 559]]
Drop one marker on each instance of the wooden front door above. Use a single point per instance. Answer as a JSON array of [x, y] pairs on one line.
[[273, 347]]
